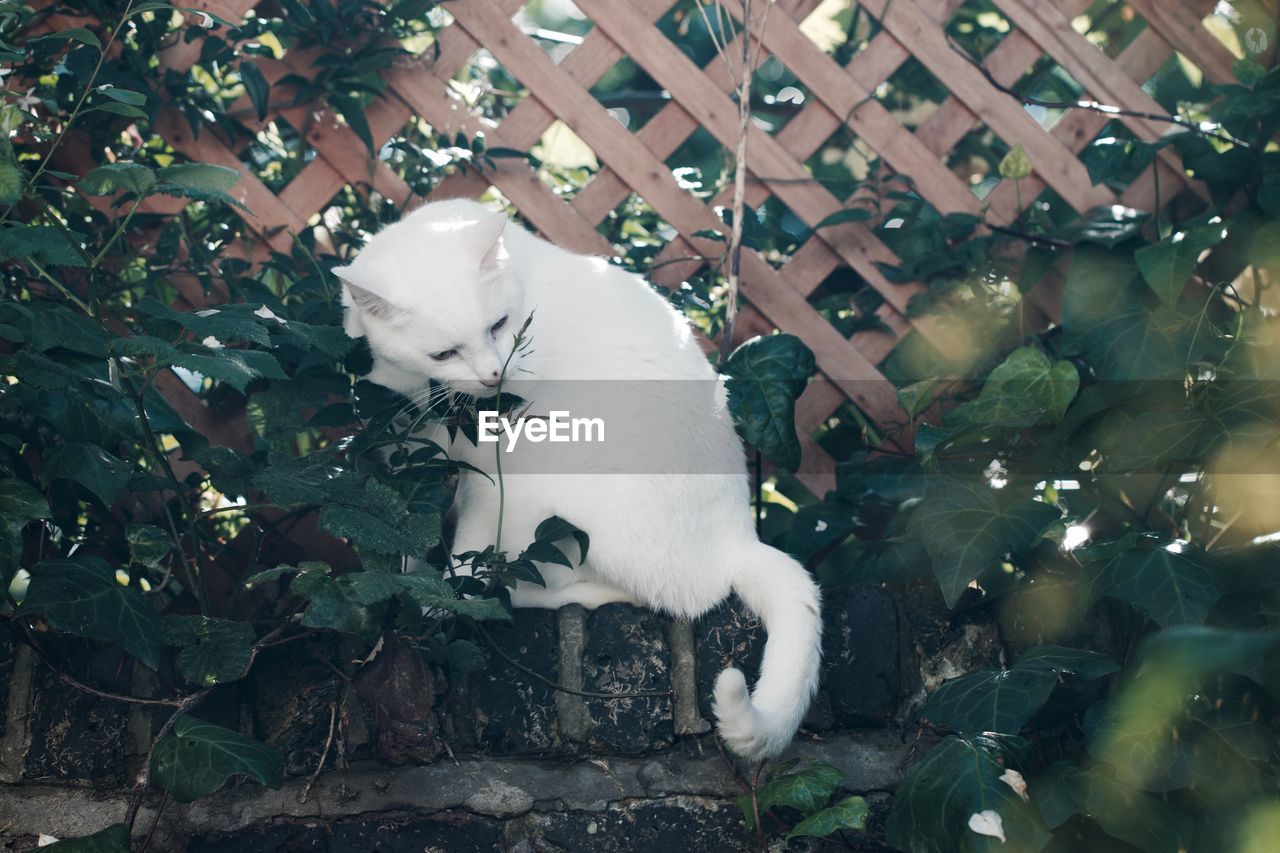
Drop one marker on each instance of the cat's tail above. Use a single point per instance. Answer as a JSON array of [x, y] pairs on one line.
[[760, 724]]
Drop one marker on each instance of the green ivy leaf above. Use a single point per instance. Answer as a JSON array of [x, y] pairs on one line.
[[148, 544], [766, 375], [197, 758], [90, 466], [80, 595], [20, 504], [1104, 307], [1145, 821], [967, 533], [918, 396], [804, 790], [1168, 265], [214, 651], [1062, 660], [991, 700], [849, 813], [1173, 584], [1107, 225], [958, 778], [113, 839], [1027, 388]]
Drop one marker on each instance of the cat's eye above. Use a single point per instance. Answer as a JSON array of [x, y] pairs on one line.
[[444, 356], [497, 327]]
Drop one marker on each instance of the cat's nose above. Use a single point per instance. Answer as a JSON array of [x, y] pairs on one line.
[[492, 381]]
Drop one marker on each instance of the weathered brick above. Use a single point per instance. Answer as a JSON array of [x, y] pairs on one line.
[[626, 651]]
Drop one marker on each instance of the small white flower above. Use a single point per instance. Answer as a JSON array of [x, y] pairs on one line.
[[203, 19], [988, 823], [18, 586], [1014, 780], [267, 314], [122, 577], [820, 526], [29, 101], [212, 343]]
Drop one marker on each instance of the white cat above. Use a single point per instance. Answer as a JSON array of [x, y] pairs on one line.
[[440, 296]]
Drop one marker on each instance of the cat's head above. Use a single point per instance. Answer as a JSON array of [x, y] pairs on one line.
[[435, 299]]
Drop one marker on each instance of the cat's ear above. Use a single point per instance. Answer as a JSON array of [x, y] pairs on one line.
[[359, 300], [487, 237]]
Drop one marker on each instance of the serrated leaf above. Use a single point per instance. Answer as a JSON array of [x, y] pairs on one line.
[[1174, 584], [131, 177], [849, 813], [197, 758], [381, 522], [80, 595], [967, 533], [45, 243], [214, 651], [90, 466], [766, 375], [199, 182], [12, 182], [334, 603]]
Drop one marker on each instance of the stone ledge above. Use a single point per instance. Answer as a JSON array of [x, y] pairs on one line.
[[488, 787]]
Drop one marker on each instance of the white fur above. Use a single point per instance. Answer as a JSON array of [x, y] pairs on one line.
[[663, 533]]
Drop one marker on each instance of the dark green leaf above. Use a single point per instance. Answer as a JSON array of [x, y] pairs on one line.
[[214, 651], [1168, 265], [197, 758], [80, 595], [1137, 818], [199, 182], [849, 813], [959, 778], [131, 177], [1027, 388], [79, 34], [1066, 661], [91, 467], [148, 544], [804, 790], [256, 86], [967, 533], [849, 214], [991, 701], [1173, 584], [766, 375], [1106, 225]]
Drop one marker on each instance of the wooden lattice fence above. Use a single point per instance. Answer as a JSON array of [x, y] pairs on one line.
[[700, 98]]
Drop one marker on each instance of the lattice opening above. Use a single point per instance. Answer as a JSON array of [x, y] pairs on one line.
[[637, 233], [705, 162], [901, 93], [846, 302], [1048, 82], [777, 95], [565, 160], [629, 94], [489, 86], [1111, 26], [975, 159], [836, 29], [277, 154], [978, 27], [422, 157], [557, 27], [843, 163]]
